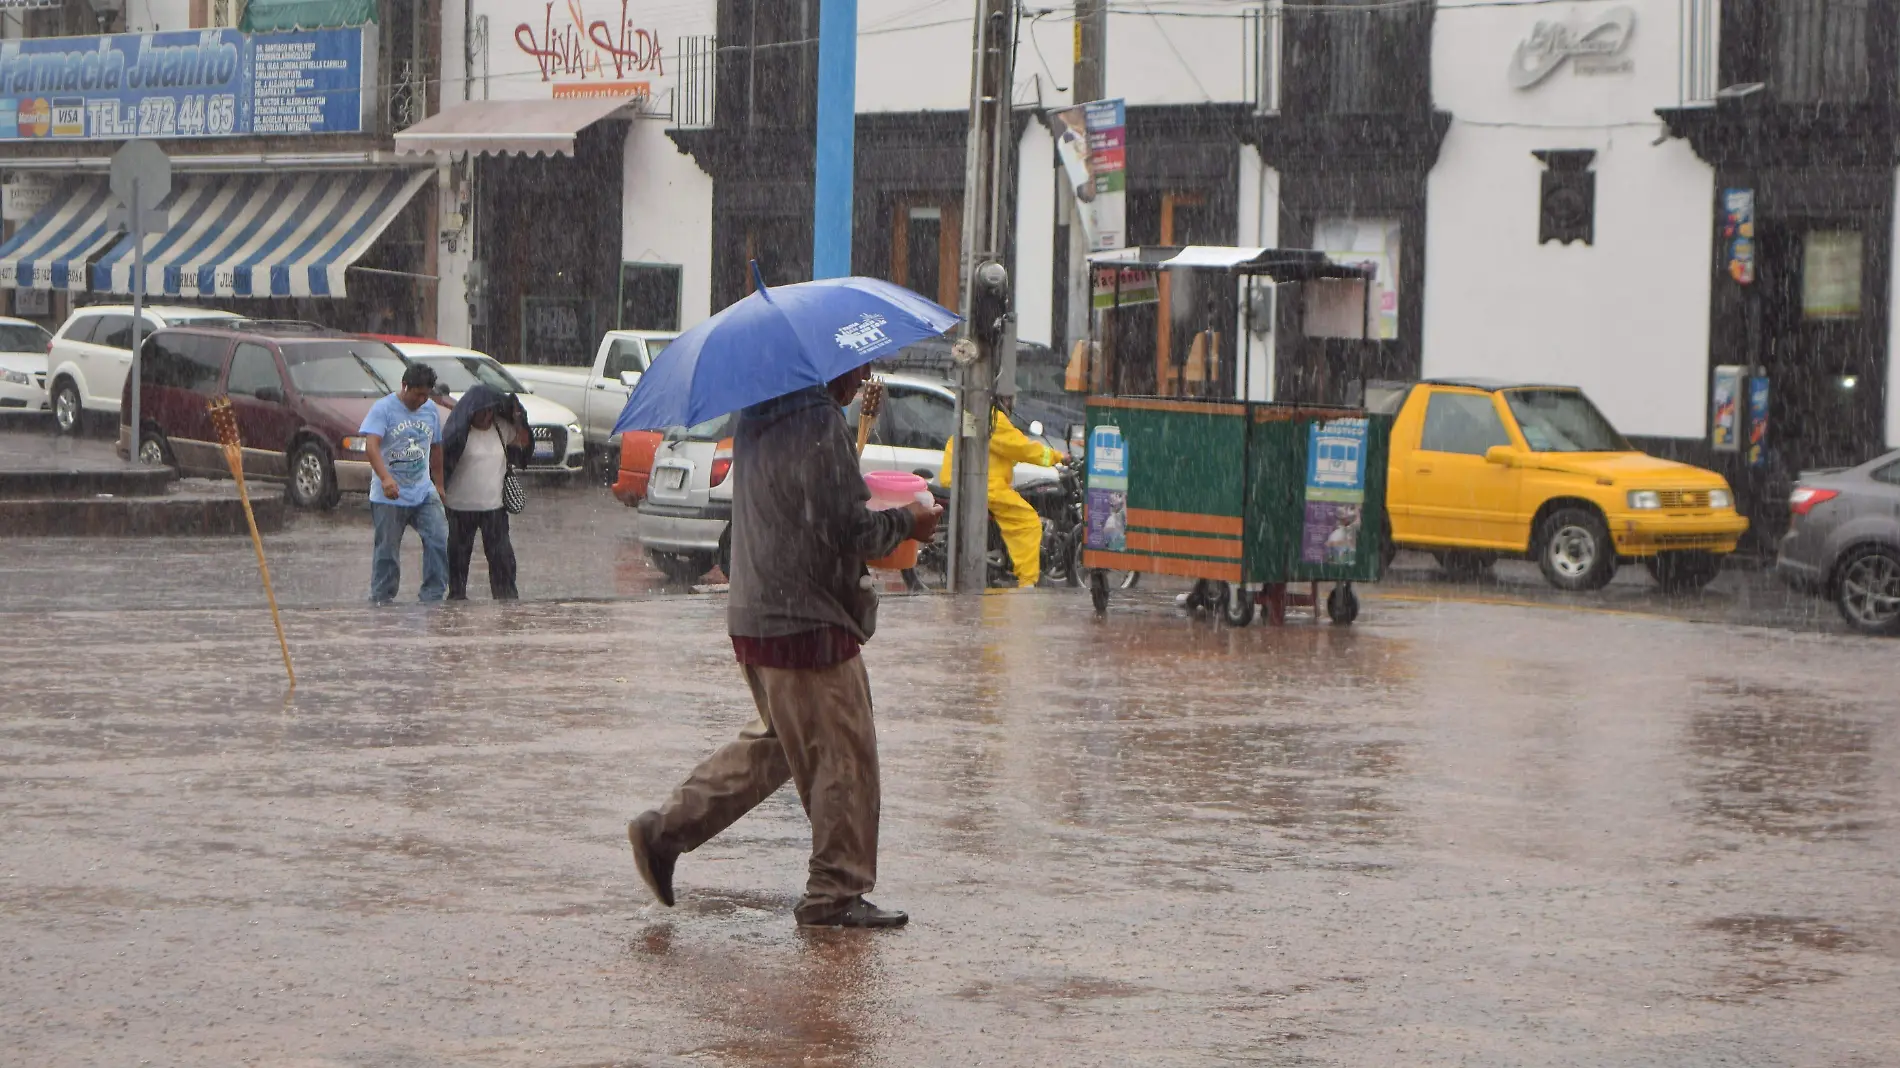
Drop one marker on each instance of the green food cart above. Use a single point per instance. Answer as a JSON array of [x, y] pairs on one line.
[[1248, 497]]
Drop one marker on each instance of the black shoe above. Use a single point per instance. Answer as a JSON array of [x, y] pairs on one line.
[[655, 864], [859, 913]]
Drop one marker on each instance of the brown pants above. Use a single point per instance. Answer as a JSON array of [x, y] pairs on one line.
[[814, 728]]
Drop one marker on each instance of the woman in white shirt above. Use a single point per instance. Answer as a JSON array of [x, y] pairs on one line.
[[486, 432]]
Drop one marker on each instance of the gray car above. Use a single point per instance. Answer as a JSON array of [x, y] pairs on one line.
[[1843, 541]]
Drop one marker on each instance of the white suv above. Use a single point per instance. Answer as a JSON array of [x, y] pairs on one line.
[[92, 353]]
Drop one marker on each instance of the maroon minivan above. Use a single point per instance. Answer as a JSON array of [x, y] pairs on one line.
[[299, 391]]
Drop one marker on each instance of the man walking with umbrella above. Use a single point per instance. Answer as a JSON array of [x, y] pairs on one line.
[[800, 605]]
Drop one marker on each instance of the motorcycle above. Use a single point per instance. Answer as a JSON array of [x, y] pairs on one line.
[[1058, 502]]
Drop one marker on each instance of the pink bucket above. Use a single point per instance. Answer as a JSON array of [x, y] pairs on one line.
[[895, 489]]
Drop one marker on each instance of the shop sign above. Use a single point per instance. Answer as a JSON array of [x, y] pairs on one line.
[[1119, 287], [195, 83], [34, 302], [591, 52], [1738, 233], [1591, 48], [25, 194], [1335, 492], [1092, 140]]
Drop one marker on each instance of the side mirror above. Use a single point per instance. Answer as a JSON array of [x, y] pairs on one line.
[[1502, 455], [629, 379], [527, 387], [1035, 428]]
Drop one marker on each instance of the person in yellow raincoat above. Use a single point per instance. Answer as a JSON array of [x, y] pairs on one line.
[[1021, 526]]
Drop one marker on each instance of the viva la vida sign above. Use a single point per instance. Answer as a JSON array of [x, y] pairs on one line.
[[1596, 47]]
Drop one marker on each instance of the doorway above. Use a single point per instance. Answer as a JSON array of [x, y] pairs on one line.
[[1822, 340]]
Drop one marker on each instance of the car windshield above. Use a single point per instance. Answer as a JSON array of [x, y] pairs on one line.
[[23, 337], [200, 320], [716, 429], [1562, 420], [462, 373], [343, 368]]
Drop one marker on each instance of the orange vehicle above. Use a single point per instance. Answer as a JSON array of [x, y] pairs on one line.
[[636, 465]]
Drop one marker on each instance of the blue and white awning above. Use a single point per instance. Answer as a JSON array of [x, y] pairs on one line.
[[262, 235], [51, 248]]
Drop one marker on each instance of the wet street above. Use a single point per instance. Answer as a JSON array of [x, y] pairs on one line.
[[1485, 826]]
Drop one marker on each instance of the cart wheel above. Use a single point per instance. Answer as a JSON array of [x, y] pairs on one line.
[[1342, 605], [1236, 605], [1098, 591]]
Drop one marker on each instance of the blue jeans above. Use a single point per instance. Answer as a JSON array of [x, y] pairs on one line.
[[432, 526]]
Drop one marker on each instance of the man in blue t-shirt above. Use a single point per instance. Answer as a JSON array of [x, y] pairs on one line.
[[405, 451]]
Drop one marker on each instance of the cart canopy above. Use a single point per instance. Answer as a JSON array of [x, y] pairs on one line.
[[1279, 264]]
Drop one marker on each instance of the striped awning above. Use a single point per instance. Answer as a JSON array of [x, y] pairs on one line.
[[51, 249], [262, 235]]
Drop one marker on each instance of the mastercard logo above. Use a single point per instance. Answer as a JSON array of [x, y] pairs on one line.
[[36, 118]]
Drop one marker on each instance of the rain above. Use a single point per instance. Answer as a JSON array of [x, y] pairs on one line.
[[941, 532]]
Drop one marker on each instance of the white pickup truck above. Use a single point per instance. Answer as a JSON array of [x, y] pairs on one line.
[[597, 395]]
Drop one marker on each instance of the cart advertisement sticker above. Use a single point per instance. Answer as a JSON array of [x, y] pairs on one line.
[[1335, 491], [1119, 287], [1108, 489], [1726, 420]]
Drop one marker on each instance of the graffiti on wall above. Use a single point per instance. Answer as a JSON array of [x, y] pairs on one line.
[[583, 56]]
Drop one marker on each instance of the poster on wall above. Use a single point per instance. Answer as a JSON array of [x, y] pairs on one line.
[[1726, 421], [194, 83], [1108, 490], [1368, 243], [1738, 233], [1335, 492], [557, 331], [1757, 421], [1091, 140], [1830, 274]]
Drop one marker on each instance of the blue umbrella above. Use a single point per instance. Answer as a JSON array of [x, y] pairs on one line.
[[778, 341]]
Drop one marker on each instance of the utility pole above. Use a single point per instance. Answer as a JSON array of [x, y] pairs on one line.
[[984, 295], [1089, 82], [837, 132]]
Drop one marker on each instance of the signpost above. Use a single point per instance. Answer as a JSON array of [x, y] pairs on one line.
[[141, 179]]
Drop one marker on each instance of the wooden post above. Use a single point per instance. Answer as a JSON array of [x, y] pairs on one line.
[[225, 420]]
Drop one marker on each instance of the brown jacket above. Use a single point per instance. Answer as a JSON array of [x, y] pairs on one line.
[[800, 529]]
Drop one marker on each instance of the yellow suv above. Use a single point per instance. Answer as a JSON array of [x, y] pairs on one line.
[[1481, 469]]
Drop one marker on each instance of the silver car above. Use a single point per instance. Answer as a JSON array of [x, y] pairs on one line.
[[1843, 542], [688, 506]]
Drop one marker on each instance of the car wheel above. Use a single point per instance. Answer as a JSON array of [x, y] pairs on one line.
[[1465, 566], [1574, 550], [1867, 590], [313, 477], [724, 557], [1342, 605], [1098, 591], [1236, 605], [68, 413], [155, 450], [682, 568], [1684, 572], [1078, 538], [1388, 549]]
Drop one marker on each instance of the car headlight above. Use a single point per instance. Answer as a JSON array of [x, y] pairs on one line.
[[1721, 499], [573, 430], [1645, 500], [355, 444], [15, 378]]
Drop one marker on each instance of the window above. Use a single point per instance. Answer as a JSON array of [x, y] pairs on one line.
[[1821, 51], [767, 68], [1889, 474], [1464, 423], [649, 296], [1373, 242], [81, 328], [182, 361], [254, 374], [1830, 274], [1562, 420], [114, 332], [23, 337], [915, 419], [625, 356], [343, 368], [462, 373]]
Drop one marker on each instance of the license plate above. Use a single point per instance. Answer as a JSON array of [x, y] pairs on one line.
[[544, 450], [672, 477]]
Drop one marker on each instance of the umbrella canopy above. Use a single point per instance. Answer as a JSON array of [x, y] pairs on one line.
[[778, 341]]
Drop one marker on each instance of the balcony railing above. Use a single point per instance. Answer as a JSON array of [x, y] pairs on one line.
[[696, 81]]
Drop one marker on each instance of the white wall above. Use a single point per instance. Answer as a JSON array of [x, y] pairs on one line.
[[1625, 318], [1893, 343], [666, 214], [1034, 275], [1178, 53], [514, 73]]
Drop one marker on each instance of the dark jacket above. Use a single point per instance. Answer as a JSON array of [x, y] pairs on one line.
[[800, 529], [480, 398]]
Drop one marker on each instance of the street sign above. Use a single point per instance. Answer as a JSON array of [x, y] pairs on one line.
[[141, 176], [141, 179]]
